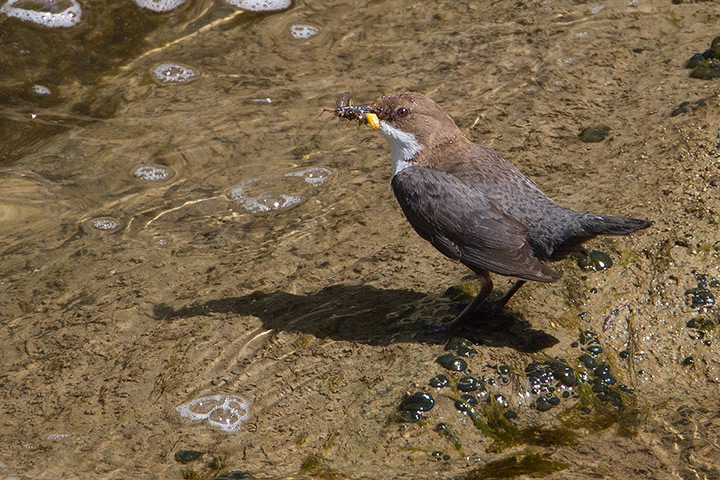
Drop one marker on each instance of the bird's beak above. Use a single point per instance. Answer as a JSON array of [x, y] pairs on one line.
[[372, 120], [361, 113]]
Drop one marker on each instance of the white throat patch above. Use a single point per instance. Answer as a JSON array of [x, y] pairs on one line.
[[404, 146]]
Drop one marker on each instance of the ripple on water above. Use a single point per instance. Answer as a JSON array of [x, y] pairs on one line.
[[315, 176], [47, 13], [263, 194], [263, 202], [227, 412], [170, 73]]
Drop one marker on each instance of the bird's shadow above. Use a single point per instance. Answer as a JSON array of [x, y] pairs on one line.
[[360, 313]]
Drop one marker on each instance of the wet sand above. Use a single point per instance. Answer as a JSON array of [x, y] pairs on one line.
[[311, 312]]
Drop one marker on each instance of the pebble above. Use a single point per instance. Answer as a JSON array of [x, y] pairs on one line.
[[439, 381], [417, 403], [467, 384], [451, 362], [594, 261]]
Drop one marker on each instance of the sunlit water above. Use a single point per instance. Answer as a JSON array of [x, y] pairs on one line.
[[194, 256]]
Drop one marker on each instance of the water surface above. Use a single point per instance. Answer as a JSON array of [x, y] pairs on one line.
[[218, 235]]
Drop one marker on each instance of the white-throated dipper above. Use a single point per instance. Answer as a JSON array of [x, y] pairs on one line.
[[472, 204]]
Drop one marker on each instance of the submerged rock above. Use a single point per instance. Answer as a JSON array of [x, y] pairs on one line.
[[701, 296], [186, 456], [594, 134], [594, 261], [451, 362], [706, 65], [439, 381], [413, 406], [707, 69]]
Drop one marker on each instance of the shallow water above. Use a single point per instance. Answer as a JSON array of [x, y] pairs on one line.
[[164, 242]]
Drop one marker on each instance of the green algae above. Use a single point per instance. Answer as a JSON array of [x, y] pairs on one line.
[[212, 468], [490, 419], [629, 257], [462, 292], [450, 434], [528, 464], [594, 415], [315, 465]]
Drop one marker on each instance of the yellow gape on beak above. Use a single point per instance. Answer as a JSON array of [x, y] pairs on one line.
[[372, 120]]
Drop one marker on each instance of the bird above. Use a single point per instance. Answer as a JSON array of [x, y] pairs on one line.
[[473, 205]]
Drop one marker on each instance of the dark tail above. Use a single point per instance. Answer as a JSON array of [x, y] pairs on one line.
[[599, 225]]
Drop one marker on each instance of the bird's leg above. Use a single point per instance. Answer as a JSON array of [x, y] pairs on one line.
[[476, 303], [498, 304]]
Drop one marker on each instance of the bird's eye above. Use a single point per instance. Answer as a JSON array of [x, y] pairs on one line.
[[402, 112]]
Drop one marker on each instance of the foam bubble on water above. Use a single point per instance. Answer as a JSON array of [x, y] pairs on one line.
[[159, 5], [169, 73], [303, 31], [105, 224], [263, 194], [41, 90], [151, 173], [315, 176], [260, 5], [48, 13], [264, 202], [227, 412]]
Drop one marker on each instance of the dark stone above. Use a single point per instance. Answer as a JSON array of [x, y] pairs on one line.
[[451, 362], [701, 296], [543, 405], [467, 384], [594, 134], [587, 360], [594, 261], [439, 381], [417, 402], [695, 60], [707, 70], [186, 456]]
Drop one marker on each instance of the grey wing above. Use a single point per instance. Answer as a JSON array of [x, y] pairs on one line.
[[465, 225]]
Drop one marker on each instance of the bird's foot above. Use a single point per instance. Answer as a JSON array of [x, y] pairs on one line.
[[480, 314]]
